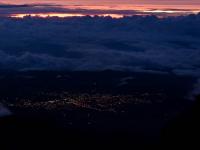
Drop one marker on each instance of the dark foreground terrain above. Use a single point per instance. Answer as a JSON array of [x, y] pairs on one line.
[[95, 110]]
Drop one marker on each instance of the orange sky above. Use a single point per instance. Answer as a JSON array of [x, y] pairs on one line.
[[141, 5], [102, 2]]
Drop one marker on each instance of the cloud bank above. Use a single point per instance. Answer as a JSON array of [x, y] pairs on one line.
[[135, 43]]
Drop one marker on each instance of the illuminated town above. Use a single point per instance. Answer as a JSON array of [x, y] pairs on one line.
[[98, 102]]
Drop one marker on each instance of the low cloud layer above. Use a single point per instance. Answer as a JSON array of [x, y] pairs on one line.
[[144, 44], [4, 111]]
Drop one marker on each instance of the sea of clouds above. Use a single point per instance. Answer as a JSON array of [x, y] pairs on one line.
[[138, 43], [4, 111]]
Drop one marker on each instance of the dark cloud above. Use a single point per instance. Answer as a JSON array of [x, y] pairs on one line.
[[144, 44], [8, 10], [13, 6], [27, 5]]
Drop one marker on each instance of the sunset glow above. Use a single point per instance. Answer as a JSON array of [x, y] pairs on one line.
[[46, 15], [62, 15], [117, 9]]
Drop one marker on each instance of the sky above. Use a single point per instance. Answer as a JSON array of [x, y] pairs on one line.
[[114, 8], [83, 2]]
